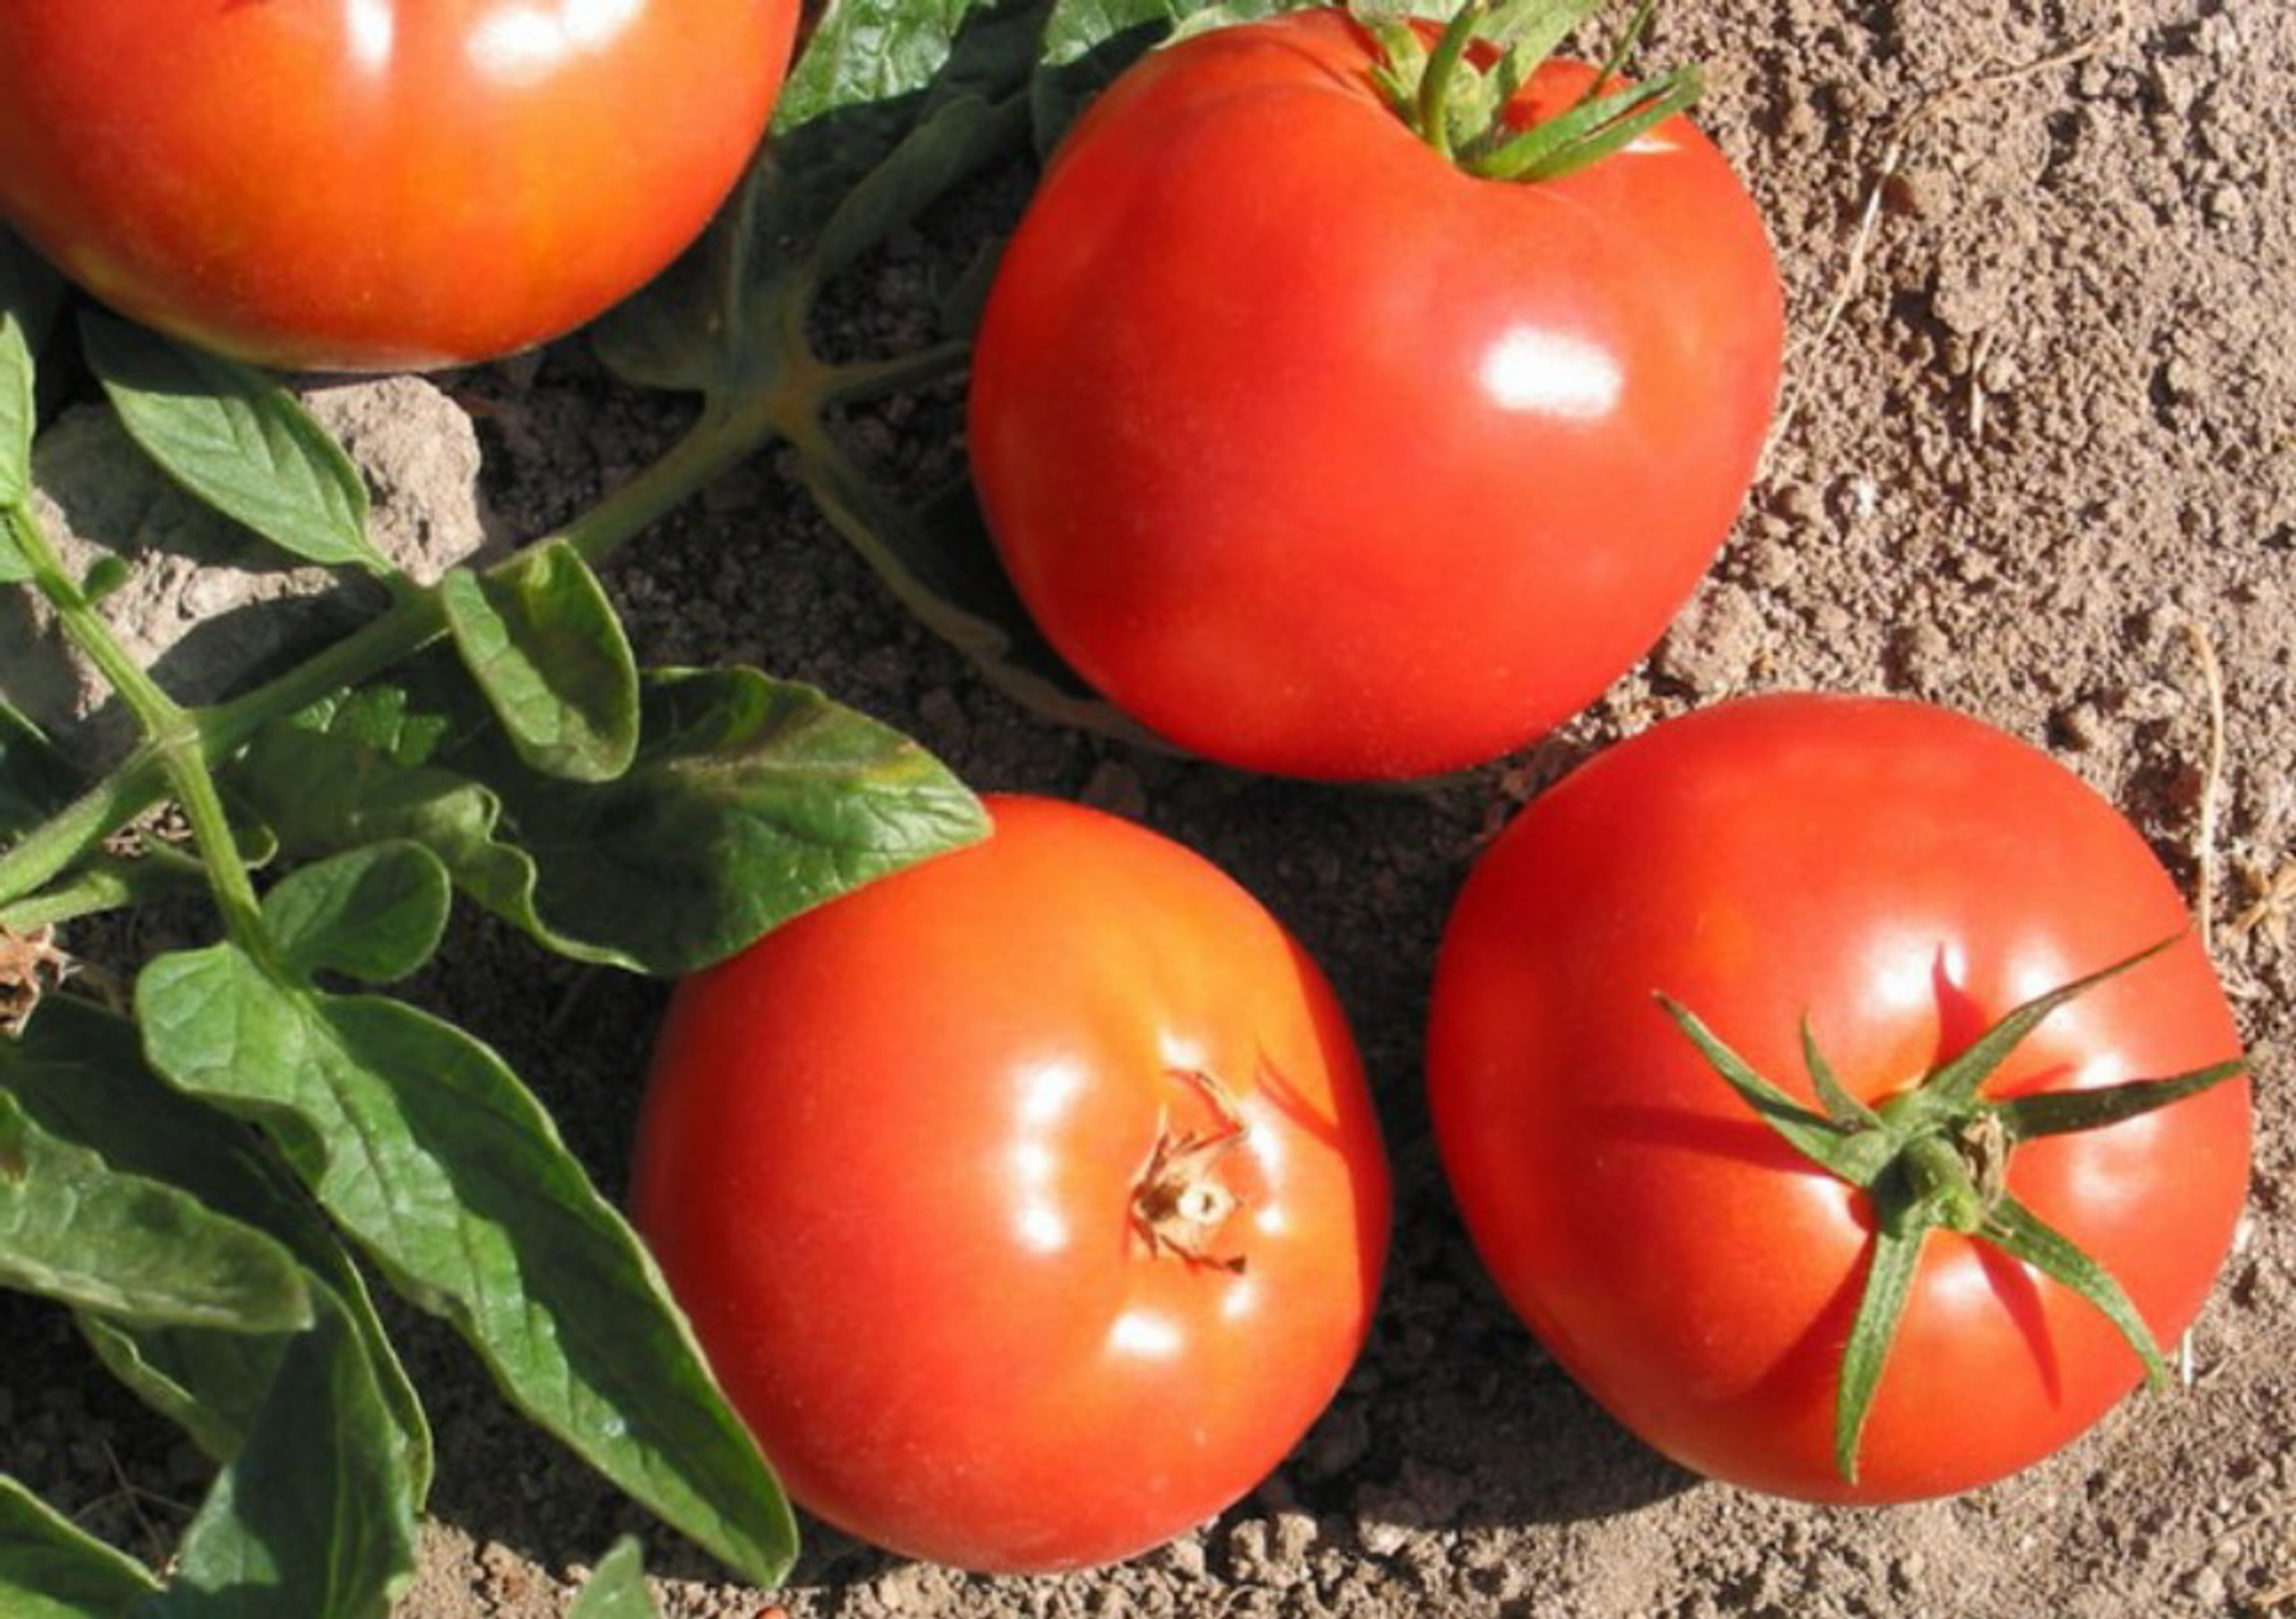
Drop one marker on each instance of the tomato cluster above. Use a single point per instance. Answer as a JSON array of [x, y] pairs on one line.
[[1753, 1055], [1750, 1057], [1831, 1085]]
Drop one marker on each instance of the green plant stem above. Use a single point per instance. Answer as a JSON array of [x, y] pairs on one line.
[[1442, 68], [856, 384], [171, 734], [180, 744]]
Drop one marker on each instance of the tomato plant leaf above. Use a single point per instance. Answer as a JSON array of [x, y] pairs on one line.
[[74, 1228], [15, 565], [750, 800], [80, 1071], [375, 914], [616, 1588], [52, 1569], [313, 1519], [18, 418], [424, 1146], [892, 103], [542, 643], [873, 71], [328, 781], [236, 439], [1088, 42], [210, 1384]]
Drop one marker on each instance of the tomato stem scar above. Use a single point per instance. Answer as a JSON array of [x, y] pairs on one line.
[[1180, 1204]]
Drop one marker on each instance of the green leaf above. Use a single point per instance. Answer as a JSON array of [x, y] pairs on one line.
[[893, 103], [50, 1569], [750, 800], [541, 640], [1592, 130], [210, 1384], [427, 1151], [15, 551], [73, 1228], [915, 88], [616, 1588], [335, 779], [236, 441], [873, 71], [80, 1072], [19, 416], [314, 1518], [375, 914], [1889, 1284], [1087, 43]]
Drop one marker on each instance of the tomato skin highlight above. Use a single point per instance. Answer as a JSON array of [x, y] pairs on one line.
[[1322, 457], [370, 185], [1902, 875], [887, 1158]]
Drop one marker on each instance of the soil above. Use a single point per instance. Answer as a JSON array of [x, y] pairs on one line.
[[2036, 460]]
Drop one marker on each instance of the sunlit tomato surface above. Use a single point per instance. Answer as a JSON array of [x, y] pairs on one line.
[[1029, 1202], [1320, 456], [1902, 876], [377, 184]]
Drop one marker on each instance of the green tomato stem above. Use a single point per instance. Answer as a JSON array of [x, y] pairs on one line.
[[1937, 1155], [1459, 99], [170, 733]]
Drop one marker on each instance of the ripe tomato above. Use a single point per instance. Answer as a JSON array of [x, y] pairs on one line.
[[377, 184], [1904, 876], [1030, 1203], [1319, 456]]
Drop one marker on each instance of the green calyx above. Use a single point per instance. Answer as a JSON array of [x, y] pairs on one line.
[[1936, 1156], [1455, 90]]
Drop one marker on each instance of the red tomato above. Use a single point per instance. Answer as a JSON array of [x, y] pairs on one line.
[[1903, 876], [1029, 1202], [377, 184], [1321, 457]]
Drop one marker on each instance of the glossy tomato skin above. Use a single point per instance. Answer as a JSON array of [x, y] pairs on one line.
[[1903, 876], [887, 1160], [1320, 456], [369, 185]]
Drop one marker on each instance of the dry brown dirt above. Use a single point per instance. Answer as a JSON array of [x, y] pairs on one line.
[[2036, 461]]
